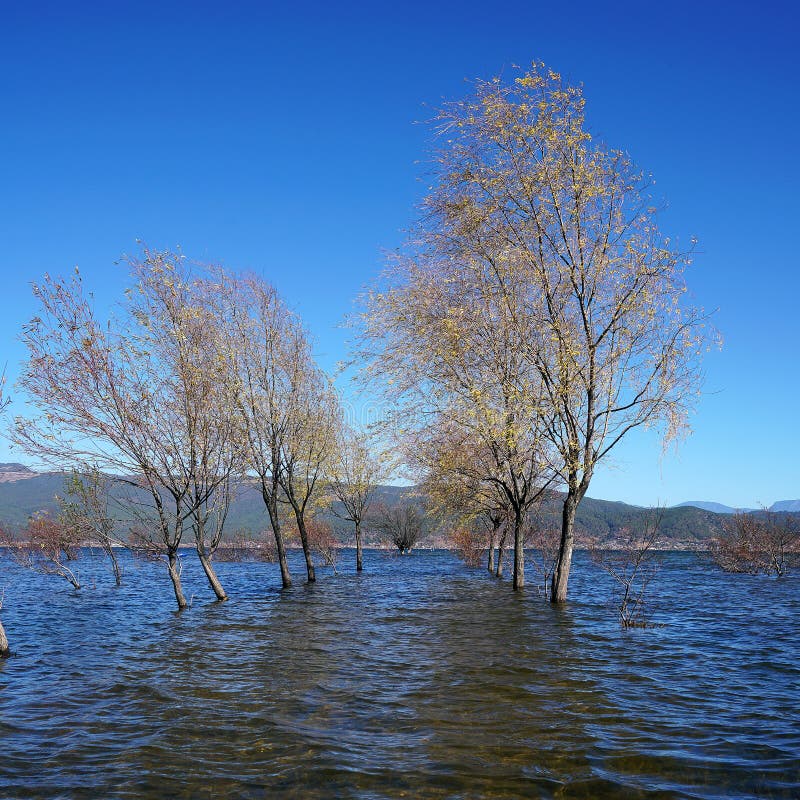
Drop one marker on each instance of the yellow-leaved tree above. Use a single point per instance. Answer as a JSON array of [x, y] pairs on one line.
[[539, 241]]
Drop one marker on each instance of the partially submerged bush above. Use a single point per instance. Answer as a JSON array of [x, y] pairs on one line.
[[758, 544]]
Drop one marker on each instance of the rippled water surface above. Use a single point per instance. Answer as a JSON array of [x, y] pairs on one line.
[[419, 678]]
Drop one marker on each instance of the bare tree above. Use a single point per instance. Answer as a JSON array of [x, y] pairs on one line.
[[266, 344], [308, 448], [757, 543], [400, 524], [631, 561], [355, 473], [543, 540], [321, 540], [85, 513], [47, 547], [470, 543], [480, 461], [142, 396]]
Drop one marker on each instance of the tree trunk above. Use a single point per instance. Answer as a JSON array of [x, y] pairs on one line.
[[501, 552], [301, 526], [558, 592], [280, 548], [519, 554], [115, 567], [286, 577], [200, 546], [490, 565], [213, 580], [359, 549], [175, 575], [4, 651]]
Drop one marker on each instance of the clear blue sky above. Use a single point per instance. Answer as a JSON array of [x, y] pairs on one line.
[[282, 138]]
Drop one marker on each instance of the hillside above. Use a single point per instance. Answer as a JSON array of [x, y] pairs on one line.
[[681, 526]]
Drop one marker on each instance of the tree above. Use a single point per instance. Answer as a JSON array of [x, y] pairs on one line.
[[142, 396], [177, 312], [5, 651], [564, 236], [470, 506], [632, 564], [47, 547], [544, 540], [268, 362], [322, 540], [469, 542], [85, 513], [308, 447], [764, 543], [400, 524], [438, 342], [355, 474]]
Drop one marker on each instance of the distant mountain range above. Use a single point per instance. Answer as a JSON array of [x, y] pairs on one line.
[[689, 525], [718, 508]]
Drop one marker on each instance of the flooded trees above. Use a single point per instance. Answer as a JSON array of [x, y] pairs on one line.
[[286, 407], [401, 524], [308, 446], [47, 547], [440, 342], [264, 340], [140, 396], [631, 563], [758, 543], [84, 510], [540, 263], [355, 473]]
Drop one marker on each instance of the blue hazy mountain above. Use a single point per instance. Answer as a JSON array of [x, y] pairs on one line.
[[710, 505], [785, 505]]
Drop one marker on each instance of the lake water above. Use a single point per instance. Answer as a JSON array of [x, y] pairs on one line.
[[420, 678]]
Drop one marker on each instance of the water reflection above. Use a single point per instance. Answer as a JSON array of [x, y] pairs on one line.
[[418, 678]]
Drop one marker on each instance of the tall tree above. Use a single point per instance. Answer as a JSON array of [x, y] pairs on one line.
[[439, 340], [309, 446], [267, 350], [140, 396], [355, 473], [565, 234]]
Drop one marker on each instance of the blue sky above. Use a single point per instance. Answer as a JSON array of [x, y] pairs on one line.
[[282, 138]]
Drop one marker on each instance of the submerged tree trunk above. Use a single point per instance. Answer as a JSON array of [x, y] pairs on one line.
[[280, 548], [213, 580], [4, 651], [501, 553], [519, 553], [115, 567], [301, 526], [359, 549], [205, 560], [175, 576], [558, 591], [492, 537]]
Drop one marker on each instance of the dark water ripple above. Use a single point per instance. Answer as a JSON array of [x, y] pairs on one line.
[[417, 679]]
